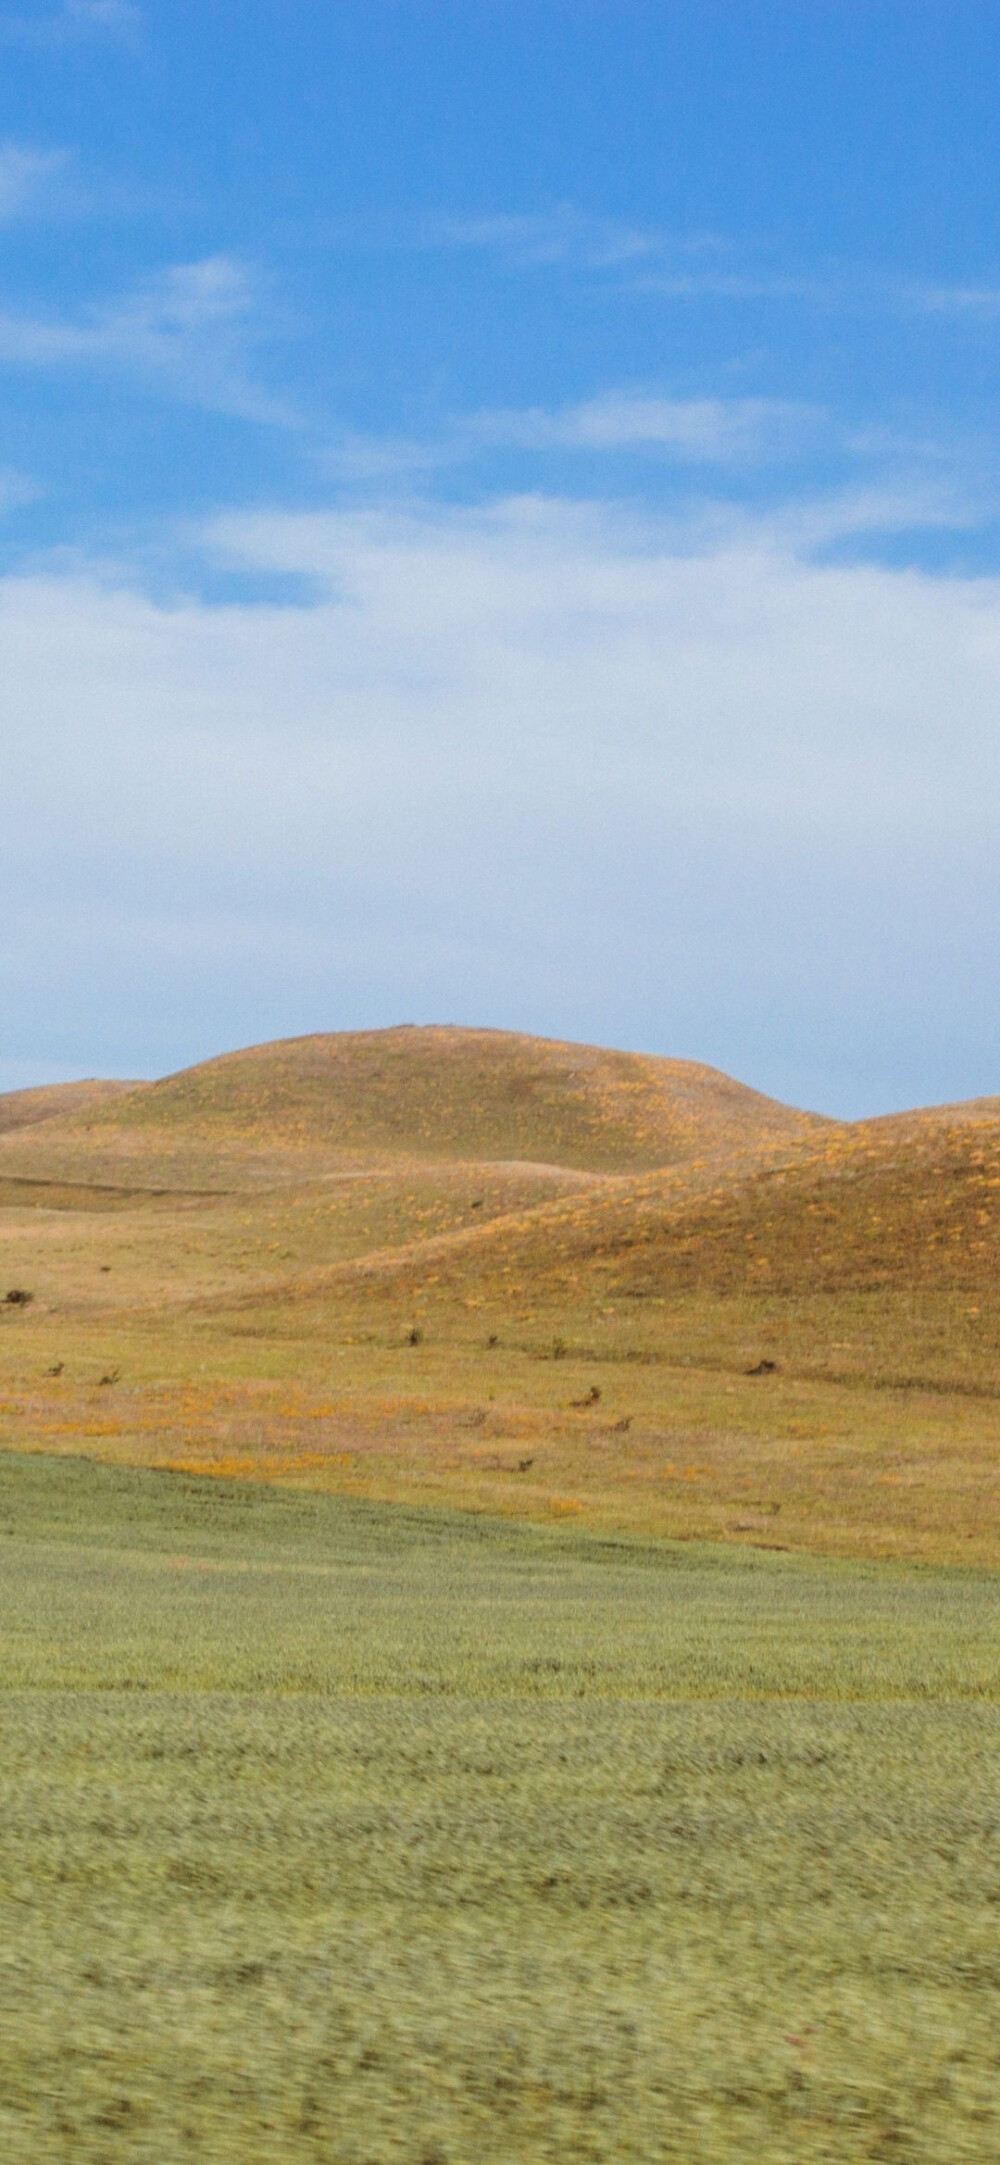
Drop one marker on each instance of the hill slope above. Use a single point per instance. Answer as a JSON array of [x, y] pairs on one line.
[[57, 1101], [466, 1094], [517, 1275], [903, 1204]]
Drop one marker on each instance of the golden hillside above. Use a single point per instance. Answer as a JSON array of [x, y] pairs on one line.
[[56, 1101], [479, 1094], [515, 1275], [374, 1097], [907, 1202]]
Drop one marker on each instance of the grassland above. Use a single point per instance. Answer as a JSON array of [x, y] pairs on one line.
[[565, 1725], [476, 1270], [336, 1832]]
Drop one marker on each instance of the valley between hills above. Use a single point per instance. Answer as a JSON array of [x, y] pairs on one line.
[[518, 1277]]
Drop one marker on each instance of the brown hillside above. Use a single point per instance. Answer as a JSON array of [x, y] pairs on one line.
[[515, 1275], [57, 1101], [905, 1203], [466, 1094]]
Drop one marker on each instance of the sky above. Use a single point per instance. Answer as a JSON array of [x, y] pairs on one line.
[[500, 525]]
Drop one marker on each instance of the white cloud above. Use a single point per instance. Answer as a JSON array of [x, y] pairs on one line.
[[535, 763], [185, 332]]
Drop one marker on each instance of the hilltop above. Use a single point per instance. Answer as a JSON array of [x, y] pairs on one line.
[[441, 1095]]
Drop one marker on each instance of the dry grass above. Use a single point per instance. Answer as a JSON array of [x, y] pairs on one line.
[[382, 1097], [250, 1250], [328, 1832], [57, 1101]]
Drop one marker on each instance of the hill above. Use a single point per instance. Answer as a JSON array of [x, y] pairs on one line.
[[904, 1203], [516, 1275], [469, 1094], [379, 1097], [57, 1101], [901, 1204]]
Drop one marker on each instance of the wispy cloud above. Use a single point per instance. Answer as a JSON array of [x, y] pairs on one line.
[[361, 458], [527, 239], [549, 237], [73, 20], [838, 293], [184, 332], [719, 284], [847, 291], [699, 266], [705, 431], [862, 514], [939, 300], [26, 174]]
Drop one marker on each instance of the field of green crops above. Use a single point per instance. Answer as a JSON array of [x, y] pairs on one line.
[[344, 1833]]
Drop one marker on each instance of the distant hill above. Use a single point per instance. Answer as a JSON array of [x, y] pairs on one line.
[[912, 1201], [57, 1101], [907, 1202], [712, 1185], [511, 1273], [452, 1094]]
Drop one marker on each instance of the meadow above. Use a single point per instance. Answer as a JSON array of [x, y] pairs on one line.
[[340, 1831]]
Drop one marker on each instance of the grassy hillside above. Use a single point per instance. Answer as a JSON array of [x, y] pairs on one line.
[[480, 1094], [903, 1205], [783, 1331], [441, 1095], [57, 1101], [561, 1838]]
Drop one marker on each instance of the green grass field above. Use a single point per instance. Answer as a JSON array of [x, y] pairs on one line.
[[338, 1832], [393, 1772]]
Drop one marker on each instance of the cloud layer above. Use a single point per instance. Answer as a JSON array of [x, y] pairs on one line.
[[539, 764]]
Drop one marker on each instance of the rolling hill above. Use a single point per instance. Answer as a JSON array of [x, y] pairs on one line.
[[895, 1204], [57, 1101], [470, 1094], [519, 1275], [383, 1097]]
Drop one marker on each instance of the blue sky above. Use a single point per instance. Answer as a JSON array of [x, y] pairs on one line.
[[499, 524]]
